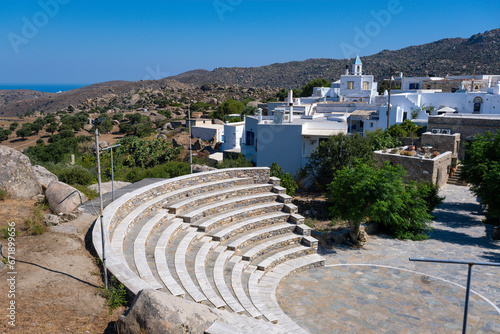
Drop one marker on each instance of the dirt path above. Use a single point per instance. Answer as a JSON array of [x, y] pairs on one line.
[[57, 284]]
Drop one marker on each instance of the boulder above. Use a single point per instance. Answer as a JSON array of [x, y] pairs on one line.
[[158, 312], [102, 144], [167, 126], [154, 117], [17, 176], [115, 122], [202, 168], [51, 220], [63, 198], [196, 145], [107, 187], [161, 136], [44, 177], [363, 236]]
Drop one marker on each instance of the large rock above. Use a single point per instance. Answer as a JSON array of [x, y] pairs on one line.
[[157, 312], [44, 177], [107, 187], [17, 176], [63, 198]]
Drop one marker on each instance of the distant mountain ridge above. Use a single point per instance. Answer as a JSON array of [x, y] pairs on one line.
[[454, 56], [478, 54]]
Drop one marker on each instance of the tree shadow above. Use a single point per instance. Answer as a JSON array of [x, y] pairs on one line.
[[59, 272], [447, 236]]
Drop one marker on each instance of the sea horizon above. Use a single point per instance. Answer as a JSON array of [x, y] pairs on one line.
[[40, 87]]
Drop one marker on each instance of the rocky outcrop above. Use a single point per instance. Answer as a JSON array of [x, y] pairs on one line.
[[17, 175], [44, 177], [63, 198], [157, 312], [107, 187]]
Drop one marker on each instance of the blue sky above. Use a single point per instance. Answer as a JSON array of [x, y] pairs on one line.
[[77, 41]]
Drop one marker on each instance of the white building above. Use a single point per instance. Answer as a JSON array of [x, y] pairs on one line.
[[289, 143], [486, 101]]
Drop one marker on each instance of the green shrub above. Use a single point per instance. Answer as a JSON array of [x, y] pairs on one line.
[[3, 194], [238, 162], [166, 170], [286, 179], [116, 295], [75, 175]]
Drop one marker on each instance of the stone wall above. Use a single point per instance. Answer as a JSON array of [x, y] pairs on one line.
[[434, 170], [442, 142], [467, 125]]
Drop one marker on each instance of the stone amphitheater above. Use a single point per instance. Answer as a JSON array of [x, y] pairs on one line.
[[222, 238]]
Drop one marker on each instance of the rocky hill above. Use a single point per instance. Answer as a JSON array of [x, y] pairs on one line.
[[455, 56]]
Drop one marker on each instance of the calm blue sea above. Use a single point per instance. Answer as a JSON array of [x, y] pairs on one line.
[[47, 88]]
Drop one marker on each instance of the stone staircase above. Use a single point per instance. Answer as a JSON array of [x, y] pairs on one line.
[[222, 238], [455, 179]]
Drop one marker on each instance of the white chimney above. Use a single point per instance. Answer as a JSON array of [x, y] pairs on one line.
[[290, 104], [260, 114], [347, 70]]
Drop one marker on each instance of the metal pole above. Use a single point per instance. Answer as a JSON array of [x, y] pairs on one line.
[[96, 122], [190, 147], [469, 277], [112, 169], [389, 101], [112, 176], [467, 293]]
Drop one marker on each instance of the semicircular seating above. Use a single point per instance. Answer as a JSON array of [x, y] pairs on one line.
[[224, 238]]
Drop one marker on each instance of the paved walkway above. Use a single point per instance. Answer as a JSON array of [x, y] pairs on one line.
[[376, 289]]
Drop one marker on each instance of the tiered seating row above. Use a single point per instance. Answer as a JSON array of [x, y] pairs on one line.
[[229, 224]]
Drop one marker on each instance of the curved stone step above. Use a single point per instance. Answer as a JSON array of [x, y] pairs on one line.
[[221, 284], [253, 289], [217, 195], [181, 267], [236, 281], [161, 259], [231, 216], [284, 255], [270, 281], [195, 214], [201, 275], [250, 224], [260, 234], [270, 245], [140, 248]]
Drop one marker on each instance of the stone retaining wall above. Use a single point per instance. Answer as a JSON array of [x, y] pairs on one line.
[[434, 170]]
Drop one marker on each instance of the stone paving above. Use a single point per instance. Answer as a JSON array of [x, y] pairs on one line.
[[377, 289]]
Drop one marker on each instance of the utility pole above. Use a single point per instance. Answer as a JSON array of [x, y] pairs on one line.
[[190, 146], [96, 123]]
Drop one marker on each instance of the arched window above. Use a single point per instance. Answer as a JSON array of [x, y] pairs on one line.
[[477, 104], [357, 69]]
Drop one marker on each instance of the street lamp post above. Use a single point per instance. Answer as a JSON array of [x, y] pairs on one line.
[[96, 123], [391, 72], [112, 169]]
